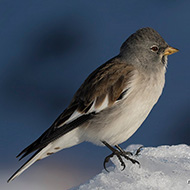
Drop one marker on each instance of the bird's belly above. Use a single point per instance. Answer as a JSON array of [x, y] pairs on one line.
[[126, 124], [117, 124]]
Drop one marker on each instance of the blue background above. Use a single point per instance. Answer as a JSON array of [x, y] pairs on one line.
[[47, 49]]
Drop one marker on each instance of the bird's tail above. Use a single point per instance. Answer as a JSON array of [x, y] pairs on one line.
[[41, 153]]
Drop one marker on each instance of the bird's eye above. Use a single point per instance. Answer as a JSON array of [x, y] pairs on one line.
[[154, 48]]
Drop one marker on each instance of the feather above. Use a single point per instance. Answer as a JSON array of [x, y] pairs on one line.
[[33, 159]]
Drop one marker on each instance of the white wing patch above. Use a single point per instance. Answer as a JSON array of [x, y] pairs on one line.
[[76, 114], [104, 104], [98, 109]]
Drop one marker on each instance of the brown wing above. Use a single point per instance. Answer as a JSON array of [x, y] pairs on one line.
[[110, 80]]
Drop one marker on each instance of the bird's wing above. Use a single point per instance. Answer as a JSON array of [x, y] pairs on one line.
[[105, 86]]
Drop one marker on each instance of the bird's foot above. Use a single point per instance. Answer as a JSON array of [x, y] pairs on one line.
[[119, 152], [130, 153], [125, 152]]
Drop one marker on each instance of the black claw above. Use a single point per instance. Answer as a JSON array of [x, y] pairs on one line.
[[135, 162], [123, 168], [121, 161], [132, 160], [107, 159], [138, 151]]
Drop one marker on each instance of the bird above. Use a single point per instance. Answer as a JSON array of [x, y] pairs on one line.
[[112, 102]]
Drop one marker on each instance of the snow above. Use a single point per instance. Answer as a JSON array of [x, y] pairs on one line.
[[164, 167]]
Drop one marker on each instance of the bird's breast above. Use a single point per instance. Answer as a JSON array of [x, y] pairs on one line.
[[116, 124]]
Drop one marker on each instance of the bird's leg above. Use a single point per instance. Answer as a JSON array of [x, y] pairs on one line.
[[114, 152], [119, 153]]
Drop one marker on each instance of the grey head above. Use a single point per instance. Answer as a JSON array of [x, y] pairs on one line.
[[146, 48]]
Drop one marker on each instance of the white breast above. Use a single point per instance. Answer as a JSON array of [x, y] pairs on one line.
[[115, 125]]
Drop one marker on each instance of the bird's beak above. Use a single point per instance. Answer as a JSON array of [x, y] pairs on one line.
[[170, 50]]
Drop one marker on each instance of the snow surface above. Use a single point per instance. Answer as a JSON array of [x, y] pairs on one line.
[[162, 168]]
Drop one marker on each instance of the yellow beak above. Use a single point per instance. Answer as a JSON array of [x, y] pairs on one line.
[[170, 50]]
